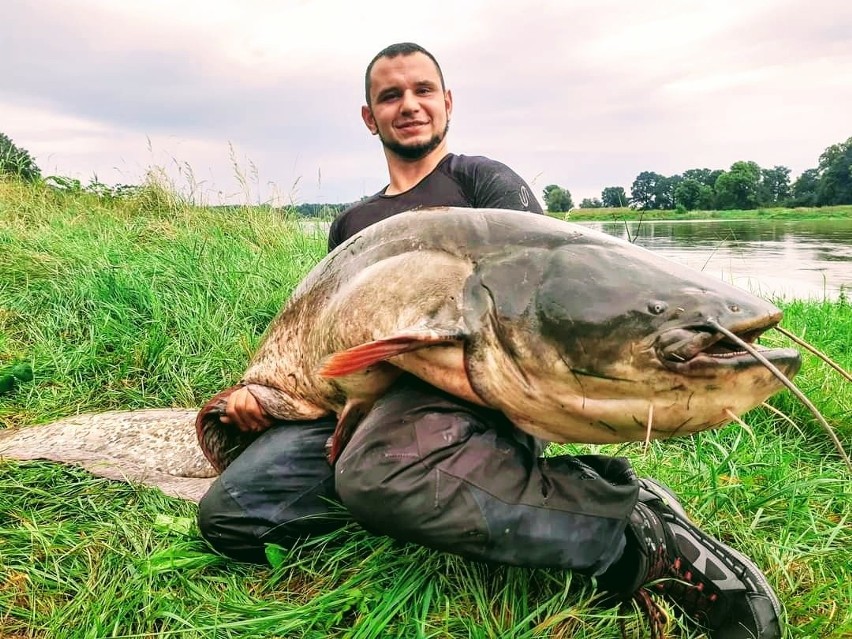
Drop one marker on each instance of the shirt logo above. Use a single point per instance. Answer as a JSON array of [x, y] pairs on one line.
[[525, 197]]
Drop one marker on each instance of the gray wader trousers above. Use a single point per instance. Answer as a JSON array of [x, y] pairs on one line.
[[428, 468]]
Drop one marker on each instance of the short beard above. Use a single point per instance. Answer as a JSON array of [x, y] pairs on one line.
[[412, 153]]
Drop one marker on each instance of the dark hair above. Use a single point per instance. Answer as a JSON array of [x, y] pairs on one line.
[[394, 50]]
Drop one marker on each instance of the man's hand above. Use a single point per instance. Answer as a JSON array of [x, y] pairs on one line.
[[245, 412]]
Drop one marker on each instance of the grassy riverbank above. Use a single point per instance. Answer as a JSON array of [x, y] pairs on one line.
[[618, 214], [152, 303]]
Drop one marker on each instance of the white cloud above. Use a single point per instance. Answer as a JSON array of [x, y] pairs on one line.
[[586, 94]]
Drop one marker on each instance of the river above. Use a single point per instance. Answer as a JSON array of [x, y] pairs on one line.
[[789, 259]]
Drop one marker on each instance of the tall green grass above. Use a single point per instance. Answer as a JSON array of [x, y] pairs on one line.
[[150, 302]]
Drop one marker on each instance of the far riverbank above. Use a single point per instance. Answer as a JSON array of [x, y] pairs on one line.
[[627, 214]]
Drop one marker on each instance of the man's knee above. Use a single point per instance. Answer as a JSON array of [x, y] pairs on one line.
[[279, 490], [389, 476], [225, 527], [412, 501], [370, 495]]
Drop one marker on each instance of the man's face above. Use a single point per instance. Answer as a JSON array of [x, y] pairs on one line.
[[408, 110]]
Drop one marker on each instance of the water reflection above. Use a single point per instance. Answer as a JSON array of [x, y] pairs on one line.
[[773, 258]]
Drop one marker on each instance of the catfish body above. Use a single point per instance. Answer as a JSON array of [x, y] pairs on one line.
[[573, 334]]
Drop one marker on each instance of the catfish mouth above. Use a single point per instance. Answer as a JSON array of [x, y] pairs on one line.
[[697, 348]]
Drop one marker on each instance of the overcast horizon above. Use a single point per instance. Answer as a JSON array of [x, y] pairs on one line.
[[581, 94]]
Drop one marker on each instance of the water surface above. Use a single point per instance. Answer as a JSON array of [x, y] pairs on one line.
[[801, 259]]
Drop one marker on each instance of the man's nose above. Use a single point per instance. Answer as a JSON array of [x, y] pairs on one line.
[[410, 102]]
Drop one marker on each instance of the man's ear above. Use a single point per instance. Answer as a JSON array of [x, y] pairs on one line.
[[369, 120], [448, 102]]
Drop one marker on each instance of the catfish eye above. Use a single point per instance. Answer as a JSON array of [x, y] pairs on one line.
[[656, 307]]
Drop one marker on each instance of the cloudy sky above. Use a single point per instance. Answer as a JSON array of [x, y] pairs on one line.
[[250, 100]]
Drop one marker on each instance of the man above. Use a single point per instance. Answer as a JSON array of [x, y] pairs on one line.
[[429, 468]]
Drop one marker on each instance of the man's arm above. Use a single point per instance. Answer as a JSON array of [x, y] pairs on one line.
[[493, 185]]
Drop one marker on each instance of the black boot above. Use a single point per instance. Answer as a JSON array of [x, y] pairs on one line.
[[712, 583]]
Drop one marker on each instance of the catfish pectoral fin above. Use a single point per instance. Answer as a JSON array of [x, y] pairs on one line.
[[360, 357], [353, 412]]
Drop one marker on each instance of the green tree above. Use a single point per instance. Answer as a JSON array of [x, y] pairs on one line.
[[805, 189], [739, 188], [16, 161], [654, 191], [835, 174], [707, 178], [775, 185], [614, 196], [688, 194], [643, 191], [702, 176], [557, 199], [591, 203], [665, 195], [693, 195]]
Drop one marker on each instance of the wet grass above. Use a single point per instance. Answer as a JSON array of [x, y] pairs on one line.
[[150, 302]]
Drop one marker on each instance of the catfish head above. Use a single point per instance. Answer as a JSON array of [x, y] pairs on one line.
[[601, 341]]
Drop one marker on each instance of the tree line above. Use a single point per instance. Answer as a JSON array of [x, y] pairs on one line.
[[16, 162], [746, 185]]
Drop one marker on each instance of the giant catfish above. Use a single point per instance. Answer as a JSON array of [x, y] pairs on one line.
[[575, 335]]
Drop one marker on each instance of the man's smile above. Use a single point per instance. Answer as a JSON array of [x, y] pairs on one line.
[[409, 126]]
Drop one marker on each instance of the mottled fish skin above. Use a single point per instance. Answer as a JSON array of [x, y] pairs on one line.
[[575, 335], [155, 447]]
